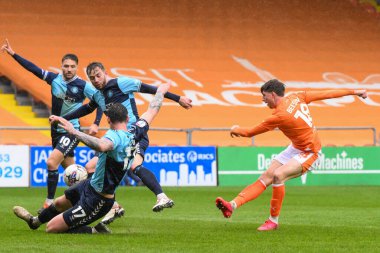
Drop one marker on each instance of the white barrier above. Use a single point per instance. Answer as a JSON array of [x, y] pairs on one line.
[[14, 165]]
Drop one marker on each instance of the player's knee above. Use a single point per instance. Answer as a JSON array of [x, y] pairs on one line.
[[50, 228], [277, 177], [133, 168], [56, 225], [90, 168], [59, 206], [135, 165], [91, 165], [51, 164], [267, 178]]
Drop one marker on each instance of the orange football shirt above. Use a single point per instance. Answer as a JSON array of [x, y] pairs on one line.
[[292, 117]]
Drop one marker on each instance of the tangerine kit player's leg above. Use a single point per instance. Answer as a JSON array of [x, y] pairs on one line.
[[249, 193]]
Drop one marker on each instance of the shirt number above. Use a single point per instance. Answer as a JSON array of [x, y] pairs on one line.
[[65, 141], [304, 114], [78, 212]]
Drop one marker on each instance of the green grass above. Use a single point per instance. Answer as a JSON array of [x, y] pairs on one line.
[[313, 219]]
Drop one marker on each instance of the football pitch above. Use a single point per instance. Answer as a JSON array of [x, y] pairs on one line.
[[313, 219]]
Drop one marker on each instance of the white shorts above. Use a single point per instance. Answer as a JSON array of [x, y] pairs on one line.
[[308, 160]]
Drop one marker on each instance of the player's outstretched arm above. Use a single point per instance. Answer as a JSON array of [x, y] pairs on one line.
[[237, 131], [101, 145], [268, 124], [183, 101], [82, 111], [156, 103], [37, 71], [311, 96]]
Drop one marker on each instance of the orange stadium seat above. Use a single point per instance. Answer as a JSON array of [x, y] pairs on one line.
[[20, 136], [218, 53]]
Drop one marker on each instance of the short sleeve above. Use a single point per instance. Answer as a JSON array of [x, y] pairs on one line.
[[100, 100], [128, 85], [48, 77], [89, 91], [111, 135]]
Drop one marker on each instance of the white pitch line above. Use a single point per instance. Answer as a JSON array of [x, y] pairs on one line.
[[240, 172], [245, 172], [345, 171]]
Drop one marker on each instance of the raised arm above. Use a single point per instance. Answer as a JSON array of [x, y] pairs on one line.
[[311, 96], [101, 145], [156, 103], [185, 102], [40, 73]]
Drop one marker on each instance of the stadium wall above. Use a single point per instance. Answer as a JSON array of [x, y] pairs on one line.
[[25, 166], [218, 53]]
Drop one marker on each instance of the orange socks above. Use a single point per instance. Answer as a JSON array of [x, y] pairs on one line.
[[254, 190], [250, 193], [277, 198]]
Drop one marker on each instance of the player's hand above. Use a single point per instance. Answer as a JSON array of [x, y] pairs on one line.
[[361, 93], [185, 102], [163, 88], [65, 124], [233, 132], [6, 47], [94, 129], [53, 120]]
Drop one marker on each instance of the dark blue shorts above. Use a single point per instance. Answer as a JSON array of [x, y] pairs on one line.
[[64, 142], [88, 205]]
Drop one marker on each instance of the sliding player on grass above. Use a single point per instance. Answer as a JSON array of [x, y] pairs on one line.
[[91, 199], [292, 116]]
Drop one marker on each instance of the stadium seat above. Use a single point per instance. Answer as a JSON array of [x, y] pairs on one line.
[[20, 116], [219, 64]]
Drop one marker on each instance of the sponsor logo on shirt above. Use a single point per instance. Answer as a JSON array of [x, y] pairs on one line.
[[74, 89]]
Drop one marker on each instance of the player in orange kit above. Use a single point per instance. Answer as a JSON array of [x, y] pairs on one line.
[[292, 116]]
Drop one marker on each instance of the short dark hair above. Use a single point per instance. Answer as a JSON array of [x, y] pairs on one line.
[[71, 57], [93, 65], [117, 113], [275, 86]]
